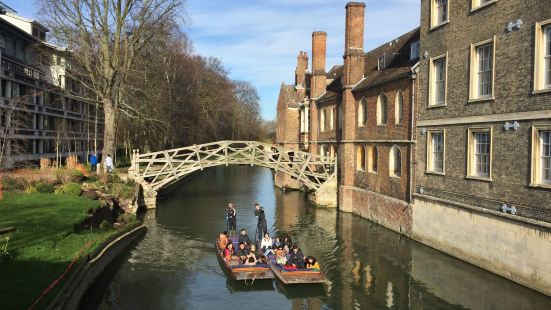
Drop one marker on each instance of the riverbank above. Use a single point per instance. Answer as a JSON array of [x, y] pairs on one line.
[[43, 245]]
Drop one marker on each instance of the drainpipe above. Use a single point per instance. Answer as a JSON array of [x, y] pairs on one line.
[[412, 131]]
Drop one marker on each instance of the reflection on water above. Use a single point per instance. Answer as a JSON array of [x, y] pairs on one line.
[[369, 267]]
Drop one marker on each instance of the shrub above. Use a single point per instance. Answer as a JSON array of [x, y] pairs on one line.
[[69, 175], [42, 187], [13, 184], [72, 189], [126, 218], [105, 225]]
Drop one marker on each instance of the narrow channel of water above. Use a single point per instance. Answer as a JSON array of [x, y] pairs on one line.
[[370, 267]]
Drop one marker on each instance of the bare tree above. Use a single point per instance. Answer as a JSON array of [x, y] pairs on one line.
[[105, 38]]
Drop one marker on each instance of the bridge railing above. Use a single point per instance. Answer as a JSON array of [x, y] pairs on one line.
[[161, 168]]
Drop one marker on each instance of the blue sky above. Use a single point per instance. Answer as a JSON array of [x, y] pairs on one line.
[[258, 40]]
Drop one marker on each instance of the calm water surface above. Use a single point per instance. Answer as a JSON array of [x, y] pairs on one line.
[[370, 267]]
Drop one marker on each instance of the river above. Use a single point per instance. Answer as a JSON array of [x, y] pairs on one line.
[[369, 266]]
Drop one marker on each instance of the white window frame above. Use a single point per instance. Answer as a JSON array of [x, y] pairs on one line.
[[302, 120], [536, 163], [471, 164], [474, 71], [392, 161], [362, 111], [479, 4], [541, 84], [380, 112], [322, 120], [430, 150], [332, 118], [435, 21], [399, 108], [432, 80]]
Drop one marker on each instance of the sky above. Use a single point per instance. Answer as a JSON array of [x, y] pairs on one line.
[[258, 40]]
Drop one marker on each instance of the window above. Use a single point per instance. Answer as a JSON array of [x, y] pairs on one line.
[[395, 161], [399, 108], [476, 4], [331, 118], [414, 51], [333, 152], [381, 63], [541, 155], [322, 119], [360, 158], [323, 150], [480, 154], [438, 85], [542, 67], [382, 109], [435, 152], [362, 113], [439, 12], [302, 120], [340, 116], [373, 157], [482, 71]]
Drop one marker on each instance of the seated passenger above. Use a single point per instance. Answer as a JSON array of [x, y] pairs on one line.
[[312, 263], [242, 251], [223, 240], [288, 242], [244, 238], [277, 243], [289, 267], [280, 257], [229, 252], [251, 258], [287, 253], [297, 258], [266, 242]]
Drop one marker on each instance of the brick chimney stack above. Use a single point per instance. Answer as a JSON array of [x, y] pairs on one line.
[[319, 52], [302, 67], [353, 72], [354, 43]]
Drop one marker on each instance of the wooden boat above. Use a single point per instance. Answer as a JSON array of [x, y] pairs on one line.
[[298, 276], [239, 272]]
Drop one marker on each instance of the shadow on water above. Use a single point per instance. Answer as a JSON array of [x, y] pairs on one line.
[[369, 267]]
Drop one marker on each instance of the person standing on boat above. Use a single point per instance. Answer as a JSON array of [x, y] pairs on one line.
[[262, 225], [231, 218]]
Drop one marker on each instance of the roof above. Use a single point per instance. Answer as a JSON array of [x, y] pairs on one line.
[[397, 60]]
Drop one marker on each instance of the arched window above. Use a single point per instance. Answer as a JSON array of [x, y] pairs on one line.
[[332, 118], [373, 158], [322, 120], [362, 113], [360, 158], [399, 108], [382, 110], [395, 161]]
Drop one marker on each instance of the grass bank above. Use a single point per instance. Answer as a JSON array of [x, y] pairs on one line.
[[43, 245]]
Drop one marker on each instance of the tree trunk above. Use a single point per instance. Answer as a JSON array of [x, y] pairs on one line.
[[109, 131]]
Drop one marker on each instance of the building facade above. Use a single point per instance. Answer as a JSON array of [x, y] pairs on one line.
[[43, 112], [444, 133], [483, 133]]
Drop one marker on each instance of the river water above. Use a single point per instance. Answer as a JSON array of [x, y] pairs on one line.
[[369, 267]]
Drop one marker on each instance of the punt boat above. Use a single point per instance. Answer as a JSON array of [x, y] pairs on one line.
[[298, 276], [240, 272]]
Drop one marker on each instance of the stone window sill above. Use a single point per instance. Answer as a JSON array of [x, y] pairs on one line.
[[477, 178], [480, 7], [435, 106], [439, 25], [435, 172], [541, 91], [540, 185], [395, 177], [481, 100], [373, 172]]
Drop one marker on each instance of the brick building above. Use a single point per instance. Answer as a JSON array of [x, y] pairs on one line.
[[362, 111], [42, 114]]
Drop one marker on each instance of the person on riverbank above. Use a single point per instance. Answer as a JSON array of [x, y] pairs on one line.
[[231, 218], [244, 238], [109, 163], [312, 263], [223, 240], [262, 225], [93, 162]]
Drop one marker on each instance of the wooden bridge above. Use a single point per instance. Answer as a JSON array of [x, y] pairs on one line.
[[160, 169]]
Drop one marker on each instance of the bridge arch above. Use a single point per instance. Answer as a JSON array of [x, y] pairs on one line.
[[157, 170]]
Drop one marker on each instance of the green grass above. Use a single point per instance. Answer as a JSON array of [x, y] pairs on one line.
[[43, 245]]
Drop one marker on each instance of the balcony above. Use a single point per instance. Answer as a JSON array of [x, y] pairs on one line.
[[21, 69]]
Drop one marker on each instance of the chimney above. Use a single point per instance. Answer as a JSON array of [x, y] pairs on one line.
[[354, 43], [300, 72], [319, 51]]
